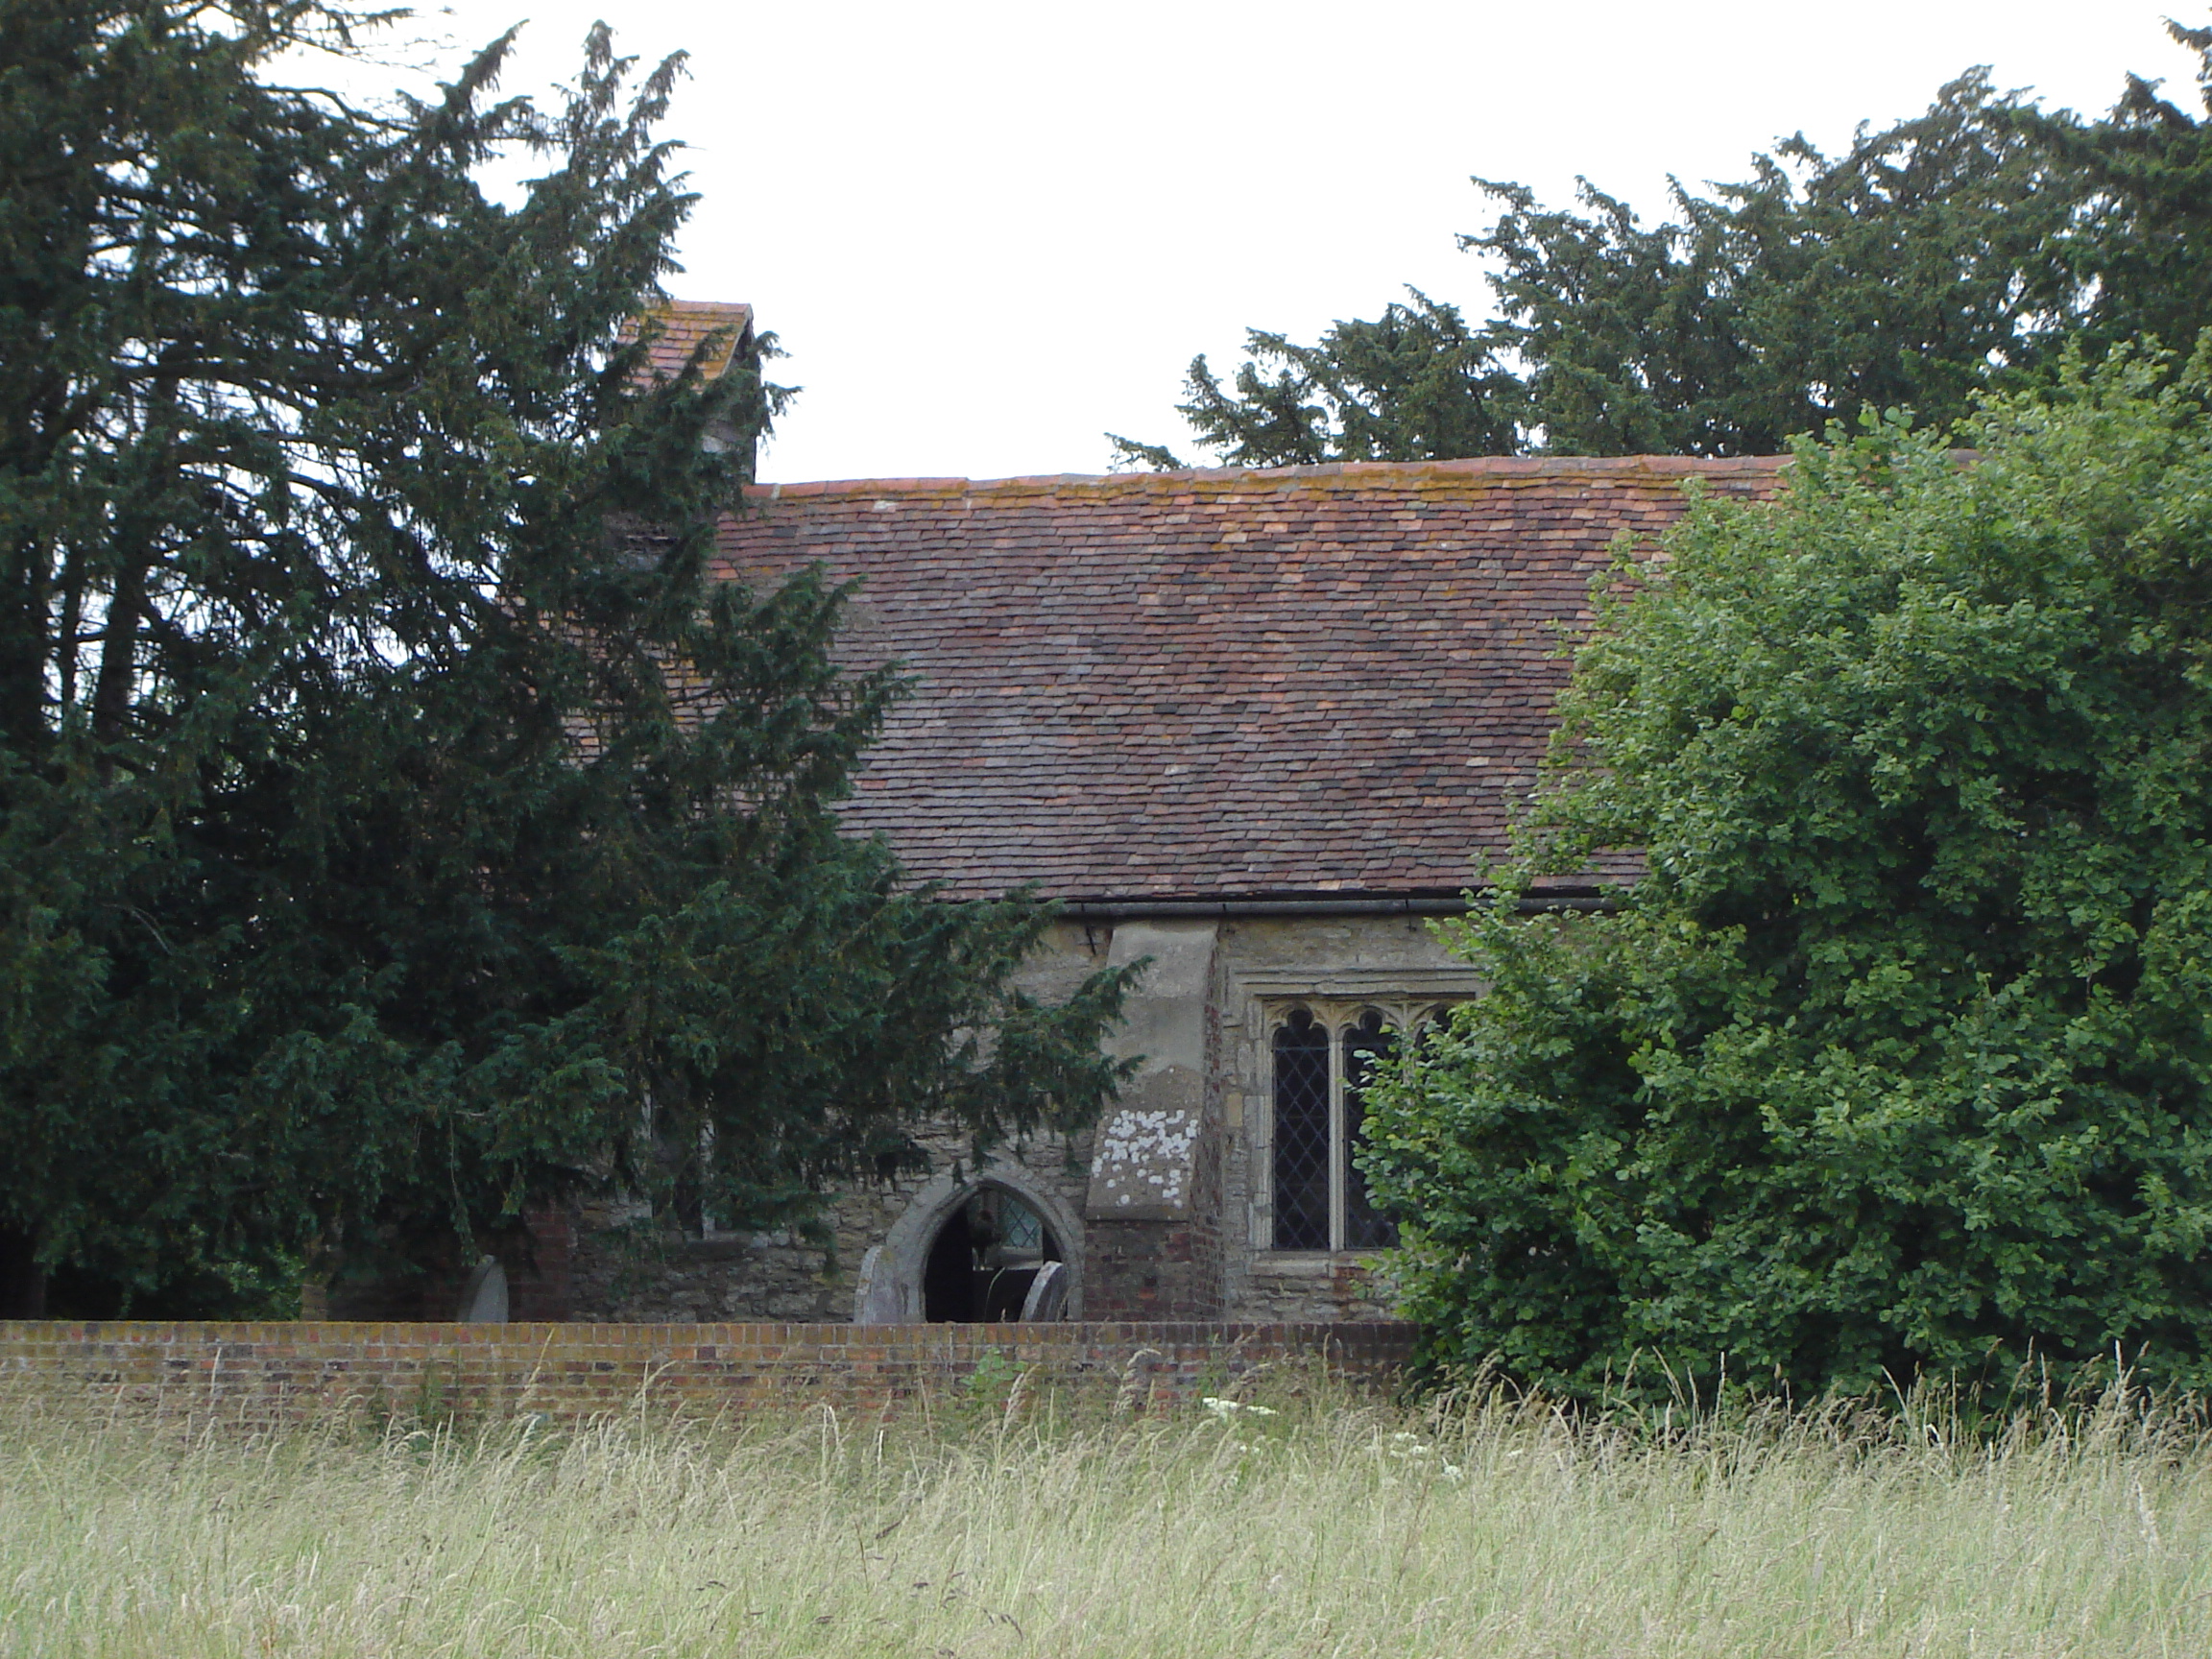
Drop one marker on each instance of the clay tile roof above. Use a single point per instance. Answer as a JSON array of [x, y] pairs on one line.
[[685, 323], [1211, 684]]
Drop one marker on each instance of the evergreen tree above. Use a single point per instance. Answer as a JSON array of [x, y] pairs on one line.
[[1948, 255], [2137, 248], [1417, 384], [397, 821], [1909, 272]]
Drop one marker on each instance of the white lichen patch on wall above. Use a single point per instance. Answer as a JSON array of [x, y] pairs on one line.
[[1144, 1158]]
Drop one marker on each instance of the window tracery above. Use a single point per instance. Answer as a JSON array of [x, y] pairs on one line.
[[1324, 1055]]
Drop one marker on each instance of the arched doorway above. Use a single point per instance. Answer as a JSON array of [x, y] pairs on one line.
[[986, 1255], [889, 1288]]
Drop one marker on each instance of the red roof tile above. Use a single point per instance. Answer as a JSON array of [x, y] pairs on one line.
[[1209, 685], [685, 323]]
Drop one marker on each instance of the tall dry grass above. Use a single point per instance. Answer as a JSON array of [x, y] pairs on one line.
[[1501, 1529]]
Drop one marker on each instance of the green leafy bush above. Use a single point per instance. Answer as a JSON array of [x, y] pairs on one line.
[[1896, 1055]]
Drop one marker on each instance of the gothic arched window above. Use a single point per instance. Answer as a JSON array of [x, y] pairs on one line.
[[1303, 1134], [1369, 1045], [1324, 1061]]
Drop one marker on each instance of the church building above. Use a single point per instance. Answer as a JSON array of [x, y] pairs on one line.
[[1255, 725]]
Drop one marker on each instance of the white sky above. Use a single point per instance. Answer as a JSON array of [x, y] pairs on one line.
[[988, 232]]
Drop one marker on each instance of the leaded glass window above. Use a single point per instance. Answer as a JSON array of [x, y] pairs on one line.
[[1020, 1229], [1325, 1056], [1302, 1133], [1369, 1045]]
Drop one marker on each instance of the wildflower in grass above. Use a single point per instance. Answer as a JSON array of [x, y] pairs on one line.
[[1226, 1409]]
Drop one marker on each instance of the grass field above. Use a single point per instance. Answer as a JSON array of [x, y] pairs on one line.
[[1328, 1528]]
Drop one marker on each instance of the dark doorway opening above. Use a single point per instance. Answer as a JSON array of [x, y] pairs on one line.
[[984, 1260]]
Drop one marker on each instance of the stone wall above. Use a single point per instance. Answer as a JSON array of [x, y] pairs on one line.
[[1152, 1211], [628, 1269], [628, 1266], [261, 1375], [1163, 1212]]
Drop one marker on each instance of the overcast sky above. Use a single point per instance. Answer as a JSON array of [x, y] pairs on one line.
[[987, 233]]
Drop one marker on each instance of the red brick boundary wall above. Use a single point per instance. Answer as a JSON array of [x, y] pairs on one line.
[[269, 1374]]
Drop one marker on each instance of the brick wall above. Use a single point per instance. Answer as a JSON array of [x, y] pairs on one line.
[[1153, 1271], [262, 1374]]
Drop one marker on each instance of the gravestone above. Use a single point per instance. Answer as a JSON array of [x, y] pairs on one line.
[[1048, 1294], [484, 1298], [876, 1300]]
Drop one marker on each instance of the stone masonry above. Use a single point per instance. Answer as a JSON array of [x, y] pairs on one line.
[[1253, 727]]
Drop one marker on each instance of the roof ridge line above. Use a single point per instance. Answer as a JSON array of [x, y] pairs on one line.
[[1351, 471]]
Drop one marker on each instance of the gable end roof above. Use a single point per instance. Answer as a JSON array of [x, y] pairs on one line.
[[685, 323]]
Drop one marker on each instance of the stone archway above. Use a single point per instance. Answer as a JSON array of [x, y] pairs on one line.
[[889, 1287]]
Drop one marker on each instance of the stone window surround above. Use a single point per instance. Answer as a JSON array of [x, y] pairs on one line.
[[1335, 997]]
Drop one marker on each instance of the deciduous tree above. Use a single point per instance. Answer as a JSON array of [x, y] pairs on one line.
[[1899, 1053]]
